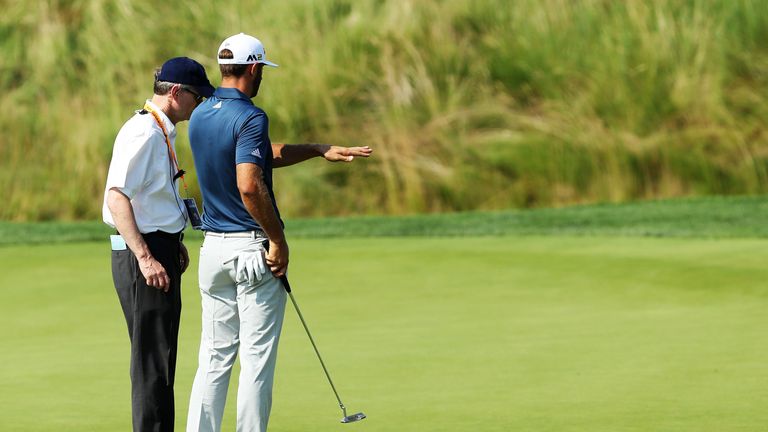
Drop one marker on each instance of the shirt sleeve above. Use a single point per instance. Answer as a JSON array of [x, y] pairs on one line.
[[132, 159], [253, 140]]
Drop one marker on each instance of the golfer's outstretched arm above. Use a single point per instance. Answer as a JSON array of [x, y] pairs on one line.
[[255, 196], [289, 154]]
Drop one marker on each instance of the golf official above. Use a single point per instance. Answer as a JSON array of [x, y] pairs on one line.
[[243, 304], [142, 202]]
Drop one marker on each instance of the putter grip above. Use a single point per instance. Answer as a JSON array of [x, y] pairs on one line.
[[286, 285], [283, 278]]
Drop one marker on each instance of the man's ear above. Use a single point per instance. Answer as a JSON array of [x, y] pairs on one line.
[[175, 89], [253, 68]]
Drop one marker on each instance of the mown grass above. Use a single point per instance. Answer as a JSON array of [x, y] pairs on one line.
[[586, 328], [470, 105], [587, 334], [714, 217]]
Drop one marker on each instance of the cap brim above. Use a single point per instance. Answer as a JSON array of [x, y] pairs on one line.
[[205, 91], [268, 63]]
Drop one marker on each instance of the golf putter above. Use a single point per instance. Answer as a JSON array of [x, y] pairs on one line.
[[347, 418]]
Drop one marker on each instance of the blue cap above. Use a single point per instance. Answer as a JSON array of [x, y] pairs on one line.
[[184, 70]]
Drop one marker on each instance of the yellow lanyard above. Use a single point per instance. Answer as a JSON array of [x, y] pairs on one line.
[[168, 143]]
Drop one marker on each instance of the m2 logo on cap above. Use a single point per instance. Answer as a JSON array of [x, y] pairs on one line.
[[254, 57]]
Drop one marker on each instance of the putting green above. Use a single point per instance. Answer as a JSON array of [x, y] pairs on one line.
[[476, 334]]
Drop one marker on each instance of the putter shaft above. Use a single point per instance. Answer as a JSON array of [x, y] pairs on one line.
[[327, 375], [346, 418]]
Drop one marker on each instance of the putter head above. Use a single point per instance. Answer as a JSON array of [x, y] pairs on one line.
[[353, 418]]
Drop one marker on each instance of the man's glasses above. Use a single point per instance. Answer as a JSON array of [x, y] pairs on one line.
[[198, 97]]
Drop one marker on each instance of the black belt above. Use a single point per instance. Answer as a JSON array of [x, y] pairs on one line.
[[179, 236]]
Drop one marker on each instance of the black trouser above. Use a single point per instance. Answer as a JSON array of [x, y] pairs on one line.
[[153, 327]]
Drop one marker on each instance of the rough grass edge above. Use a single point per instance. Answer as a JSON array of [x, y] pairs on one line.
[[702, 217]]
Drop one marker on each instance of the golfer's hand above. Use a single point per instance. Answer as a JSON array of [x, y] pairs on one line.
[[183, 257], [154, 273], [345, 154], [277, 258]]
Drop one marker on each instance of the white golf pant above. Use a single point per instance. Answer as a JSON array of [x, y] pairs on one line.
[[235, 315]]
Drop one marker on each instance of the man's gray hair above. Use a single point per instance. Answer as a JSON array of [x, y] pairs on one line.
[[162, 88]]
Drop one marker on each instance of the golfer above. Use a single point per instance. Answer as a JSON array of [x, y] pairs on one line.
[[243, 304], [141, 201]]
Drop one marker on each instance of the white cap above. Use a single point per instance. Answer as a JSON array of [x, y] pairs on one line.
[[246, 50]]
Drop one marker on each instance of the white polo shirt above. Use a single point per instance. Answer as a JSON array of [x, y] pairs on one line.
[[143, 170]]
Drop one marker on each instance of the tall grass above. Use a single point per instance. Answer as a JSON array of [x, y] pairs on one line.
[[468, 104]]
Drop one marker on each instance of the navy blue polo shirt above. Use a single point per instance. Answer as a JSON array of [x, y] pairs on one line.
[[225, 130]]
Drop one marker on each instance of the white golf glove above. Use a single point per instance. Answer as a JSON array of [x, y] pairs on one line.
[[250, 266]]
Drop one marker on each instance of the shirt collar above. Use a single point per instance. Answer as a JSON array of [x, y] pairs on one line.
[[170, 128], [231, 93]]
